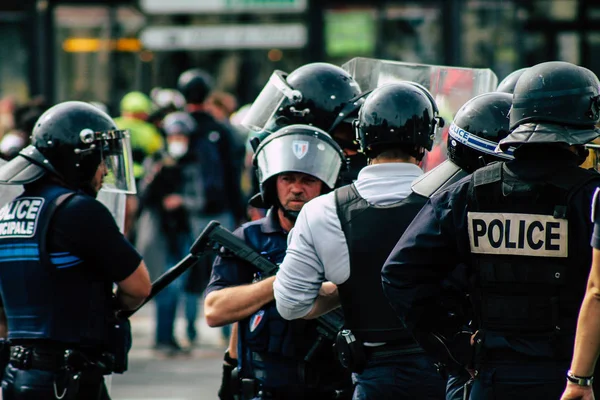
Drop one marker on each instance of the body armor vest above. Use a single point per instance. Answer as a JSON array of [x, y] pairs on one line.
[[48, 296], [524, 239], [272, 349], [371, 233]]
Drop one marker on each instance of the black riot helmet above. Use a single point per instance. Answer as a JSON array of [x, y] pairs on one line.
[[508, 84], [476, 130], [314, 94], [296, 148], [554, 102], [195, 85], [70, 140], [398, 114]]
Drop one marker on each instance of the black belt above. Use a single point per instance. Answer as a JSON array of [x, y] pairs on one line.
[[34, 358], [389, 350], [54, 359]]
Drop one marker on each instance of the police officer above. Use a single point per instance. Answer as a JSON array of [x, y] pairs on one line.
[[521, 229], [345, 237], [580, 378], [61, 251], [317, 94], [473, 136], [295, 165]]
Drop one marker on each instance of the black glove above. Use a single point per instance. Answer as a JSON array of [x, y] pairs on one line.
[[229, 364]]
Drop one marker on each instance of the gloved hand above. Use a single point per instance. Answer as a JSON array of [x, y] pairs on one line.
[[225, 391]]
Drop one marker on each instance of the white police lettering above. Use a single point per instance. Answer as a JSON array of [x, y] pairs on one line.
[[518, 234], [20, 218]]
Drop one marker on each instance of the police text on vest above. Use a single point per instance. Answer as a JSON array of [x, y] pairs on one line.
[[518, 234], [20, 218]]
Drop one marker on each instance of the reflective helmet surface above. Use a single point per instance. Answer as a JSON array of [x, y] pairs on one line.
[[313, 94], [476, 130], [561, 94], [397, 113], [195, 85], [508, 84], [556, 92], [297, 148]]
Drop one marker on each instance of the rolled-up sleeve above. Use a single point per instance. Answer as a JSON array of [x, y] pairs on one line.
[[317, 252]]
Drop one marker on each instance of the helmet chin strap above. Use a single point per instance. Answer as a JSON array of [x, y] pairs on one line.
[[291, 215]]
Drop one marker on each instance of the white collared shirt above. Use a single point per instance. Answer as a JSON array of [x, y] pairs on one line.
[[317, 249]]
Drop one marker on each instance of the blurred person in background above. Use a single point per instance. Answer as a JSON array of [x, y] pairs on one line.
[[172, 197], [214, 144], [24, 118], [145, 138], [145, 141]]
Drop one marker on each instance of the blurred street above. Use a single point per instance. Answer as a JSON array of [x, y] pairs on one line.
[[184, 377]]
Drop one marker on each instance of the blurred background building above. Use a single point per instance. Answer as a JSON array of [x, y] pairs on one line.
[[99, 50]]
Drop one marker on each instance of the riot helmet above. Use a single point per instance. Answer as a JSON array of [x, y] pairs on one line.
[[70, 141], [296, 148], [195, 85], [508, 84], [397, 114], [476, 130], [554, 102], [314, 94]]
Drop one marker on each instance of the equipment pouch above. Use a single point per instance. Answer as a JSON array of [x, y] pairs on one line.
[[119, 343], [351, 352]]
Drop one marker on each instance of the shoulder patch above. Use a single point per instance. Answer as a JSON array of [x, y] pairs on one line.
[[19, 219], [256, 320], [518, 234]]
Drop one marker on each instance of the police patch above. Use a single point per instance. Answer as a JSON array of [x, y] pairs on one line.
[[19, 219], [518, 234], [256, 320], [300, 148]]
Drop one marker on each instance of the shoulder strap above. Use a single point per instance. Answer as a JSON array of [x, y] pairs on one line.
[[346, 199], [489, 174], [51, 209]]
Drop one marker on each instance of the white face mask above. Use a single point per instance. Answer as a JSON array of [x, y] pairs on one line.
[[177, 149]]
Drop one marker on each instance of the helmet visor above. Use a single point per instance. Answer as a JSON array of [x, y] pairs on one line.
[[261, 116], [116, 152], [299, 153]]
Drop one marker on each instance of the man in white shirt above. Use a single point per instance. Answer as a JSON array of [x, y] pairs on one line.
[[344, 237]]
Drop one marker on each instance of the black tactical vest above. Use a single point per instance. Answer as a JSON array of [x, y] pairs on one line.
[[371, 233], [528, 244]]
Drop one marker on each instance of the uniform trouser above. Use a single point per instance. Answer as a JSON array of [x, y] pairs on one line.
[[35, 384], [455, 387], [519, 381], [410, 376]]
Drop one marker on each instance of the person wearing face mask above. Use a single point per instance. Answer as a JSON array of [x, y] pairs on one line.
[[173, 198]]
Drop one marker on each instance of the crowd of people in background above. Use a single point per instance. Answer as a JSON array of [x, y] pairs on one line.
[[191, 166]]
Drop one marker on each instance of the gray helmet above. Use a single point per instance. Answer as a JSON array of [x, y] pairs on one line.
[[296, 148], [508, 84], [554, 102]]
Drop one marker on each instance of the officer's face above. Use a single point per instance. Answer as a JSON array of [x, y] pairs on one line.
[[101, 172], [294, 189]]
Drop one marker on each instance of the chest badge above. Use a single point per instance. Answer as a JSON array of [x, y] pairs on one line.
[[256, 320], [300, 148]]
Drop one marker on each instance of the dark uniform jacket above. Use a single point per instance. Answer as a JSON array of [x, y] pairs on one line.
[[523, 232]]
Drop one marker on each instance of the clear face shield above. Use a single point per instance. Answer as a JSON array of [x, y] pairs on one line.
[[115, 150], [275, 95]]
